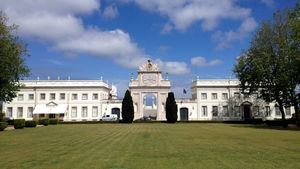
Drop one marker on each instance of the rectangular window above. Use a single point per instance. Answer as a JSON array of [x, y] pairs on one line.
[[62, 96], [214, 96], [236, 111], [52, 96], [225, 111], [20, 112], [215, 110], [203, 96], [9, 111], [268, 111], [84, 96], [42, 115], [30, 97], [256, 111], [288, 111], [95, 111], [20, 97], [277, 111], [74, 96], [74, 111], [95, 96], [84, 111], [224, 96], [29, 112], [204, 110], [42, 96], [236, 94]]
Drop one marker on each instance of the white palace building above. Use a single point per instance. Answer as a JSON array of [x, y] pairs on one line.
[[90, 100]]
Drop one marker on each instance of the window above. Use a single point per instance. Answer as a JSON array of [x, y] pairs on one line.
[[215, 110], [203, 96], [62, 96], [29, 112], [74, 96], [224, 96], [30, 97], [84, 96], [95, 111], [95, 96], [268, 111], [74, 111], [20, 112], [42, 115], [214, 96], [204, 110], [277, 111], [288, 111], [225, 111], [52, 96], [256, 110], [236, 95], [9, 111], [236, 111], [42, 96], [84, 111], [20, 97]]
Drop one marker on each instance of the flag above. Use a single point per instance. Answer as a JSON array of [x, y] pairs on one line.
[[184, 91]]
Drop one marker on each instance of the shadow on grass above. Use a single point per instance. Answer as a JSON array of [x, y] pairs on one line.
[[263, 126]]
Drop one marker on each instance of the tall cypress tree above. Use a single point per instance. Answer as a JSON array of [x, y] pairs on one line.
[[171, 108], [127, 108]]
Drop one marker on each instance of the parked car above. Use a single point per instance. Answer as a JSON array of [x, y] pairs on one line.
[[110, 117]]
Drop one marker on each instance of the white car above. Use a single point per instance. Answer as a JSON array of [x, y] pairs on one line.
[[110, 117]]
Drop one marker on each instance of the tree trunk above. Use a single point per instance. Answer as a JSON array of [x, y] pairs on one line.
[[284, 123]]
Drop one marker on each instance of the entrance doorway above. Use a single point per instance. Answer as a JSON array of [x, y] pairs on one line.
[[116, 111], [150, 106], [247, 110], [184, 114]]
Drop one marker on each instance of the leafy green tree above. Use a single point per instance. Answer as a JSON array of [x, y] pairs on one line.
[[12, 57], [271, 64], [171, 108], [127, 108]]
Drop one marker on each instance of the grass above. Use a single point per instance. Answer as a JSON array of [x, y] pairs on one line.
[[158, 145]]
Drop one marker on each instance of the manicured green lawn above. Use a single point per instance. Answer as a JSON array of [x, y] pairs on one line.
[[183, 145]]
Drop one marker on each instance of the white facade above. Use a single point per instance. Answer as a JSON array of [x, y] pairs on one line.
[[89, 100]]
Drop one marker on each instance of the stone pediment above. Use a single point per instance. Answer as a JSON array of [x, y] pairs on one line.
[[149, 67]]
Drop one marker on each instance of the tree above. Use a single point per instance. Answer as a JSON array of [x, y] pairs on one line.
[[271, 64], [171, 108], [12, 67], [127, 108]]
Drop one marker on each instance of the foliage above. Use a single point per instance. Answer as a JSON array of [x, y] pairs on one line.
[[19, 123], [53, 121], [127, 108], [30, 123], [44, 122], [171, 108], [12, 67], [3, 125], [2, 115], [271, 64]]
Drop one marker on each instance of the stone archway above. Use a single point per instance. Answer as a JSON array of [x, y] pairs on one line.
[[184, 114], [150, 105], [149, 81]]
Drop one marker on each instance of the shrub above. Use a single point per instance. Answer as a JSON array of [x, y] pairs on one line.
[[19, 123], [53, 121], [30, 123], [127, 108], [44, 122], [3, 125], [2, 115], [171, 108]]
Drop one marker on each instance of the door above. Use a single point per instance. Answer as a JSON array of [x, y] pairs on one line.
[[184, 114], [116, 111], [247, 112]]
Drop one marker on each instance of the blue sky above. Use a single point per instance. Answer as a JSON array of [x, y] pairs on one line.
[[87, 39]]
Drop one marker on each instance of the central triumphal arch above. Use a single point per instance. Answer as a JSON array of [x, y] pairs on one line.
[[149, 92]]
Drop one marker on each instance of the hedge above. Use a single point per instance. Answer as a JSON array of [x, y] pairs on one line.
[[3, 125], [44, 122], [30, 123], [53, 121], [19, 123]]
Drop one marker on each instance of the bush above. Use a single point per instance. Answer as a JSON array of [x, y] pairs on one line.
[[171, 108], [30, 123], [3, 125], [2, 115], [19, 123], [44, 122], [53, 121]]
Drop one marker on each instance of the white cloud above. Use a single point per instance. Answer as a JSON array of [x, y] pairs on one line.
[[224, 39], [269, 3], [167, 28], [173, 67], [110, 12], [55, 62], [202, 62]]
